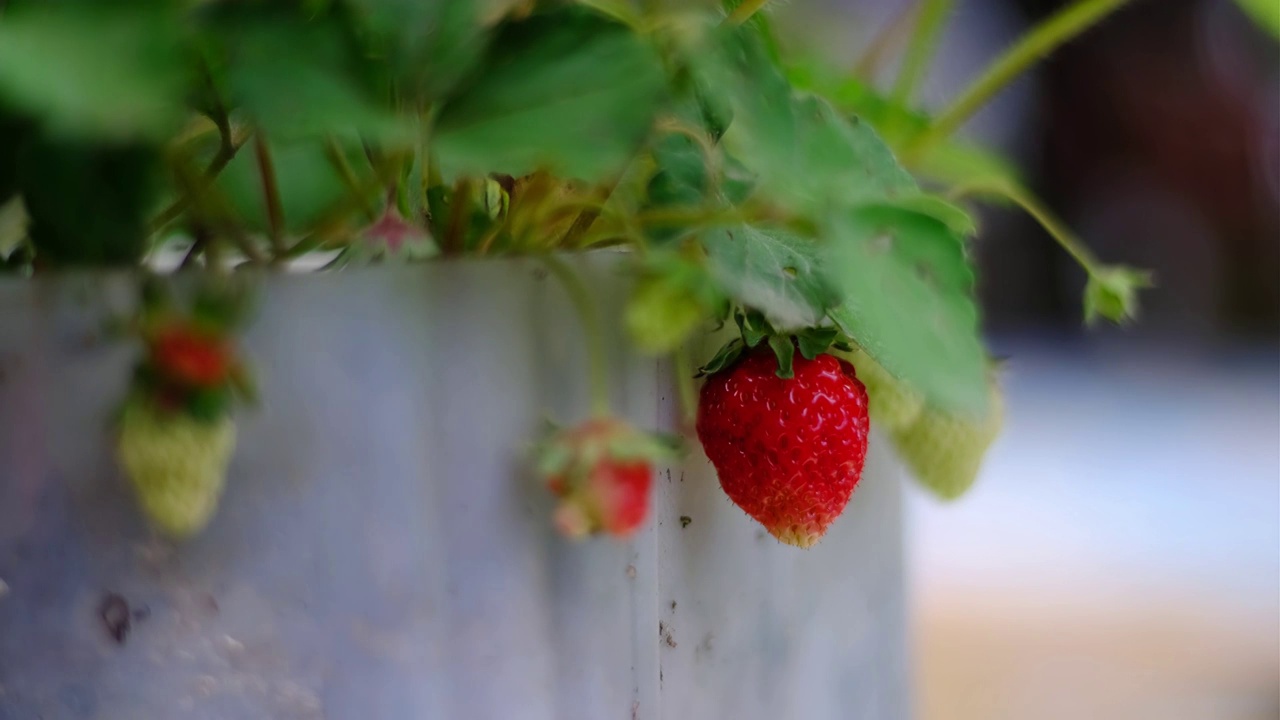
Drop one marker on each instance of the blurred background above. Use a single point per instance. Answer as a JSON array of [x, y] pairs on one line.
[[1120, 556]]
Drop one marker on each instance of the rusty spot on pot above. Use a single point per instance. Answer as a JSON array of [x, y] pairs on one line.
[[114, 611]]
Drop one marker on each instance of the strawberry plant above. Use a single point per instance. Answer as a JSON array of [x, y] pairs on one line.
[[819, 213]]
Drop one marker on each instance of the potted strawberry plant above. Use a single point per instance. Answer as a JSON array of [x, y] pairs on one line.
[[412, 233]]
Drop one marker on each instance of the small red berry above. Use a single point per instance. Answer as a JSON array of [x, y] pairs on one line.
[[602, 473], [788, 452], [191, 357]]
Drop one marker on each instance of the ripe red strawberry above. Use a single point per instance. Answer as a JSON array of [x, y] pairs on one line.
[[602, 473], [191, 357], [789, 452]]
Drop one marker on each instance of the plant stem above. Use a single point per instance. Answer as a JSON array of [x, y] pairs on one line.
[[210, 213], [869, 62], [197, 247], [226, 151], [455, 238], [1024, 199], [684, 383], [338, 159], [587, 312], [931, 17], [743, 12], [270, 194], [1041, 40]]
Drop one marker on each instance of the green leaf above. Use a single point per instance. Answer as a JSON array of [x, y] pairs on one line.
[[298, 81], [1266, 13], [957, 162], [108, 70], [951, 162], [784, 350], [309, 186], [908, 301], [956, 218], [568, 91], [1112, 293], [430, 45], [87, 201], [668, 303], [805, 153], [680, 180], [773, 271]]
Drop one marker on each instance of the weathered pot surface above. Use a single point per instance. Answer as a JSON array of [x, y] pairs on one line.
[[382, 552]]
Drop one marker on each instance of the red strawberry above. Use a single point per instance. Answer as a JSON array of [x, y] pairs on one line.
[[602, 473], [789, 452], [191, 357]]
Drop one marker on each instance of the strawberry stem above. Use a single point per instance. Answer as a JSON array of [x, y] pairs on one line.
[[743, 12], [930, 17], [1024, 199], [1043, 39], [587, 313], [270, 195], [684, 383]]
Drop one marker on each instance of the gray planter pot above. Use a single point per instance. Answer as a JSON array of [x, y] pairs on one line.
[[382, 552]]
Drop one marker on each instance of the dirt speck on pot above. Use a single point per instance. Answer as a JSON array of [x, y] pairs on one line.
[[704, 647], [685, 520], [231, 645], [116, 618], [631, 572]]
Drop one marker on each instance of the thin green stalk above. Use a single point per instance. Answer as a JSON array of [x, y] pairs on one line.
[[1024, 199], [588, 313], [684, 383], [868, 65], [270, 195], [743, 12], [338, 159], [227, 148], [931, 17], [1041, 40]]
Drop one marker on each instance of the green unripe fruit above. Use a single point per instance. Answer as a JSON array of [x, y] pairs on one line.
[[177, 466], [892, 404], [945, 451]]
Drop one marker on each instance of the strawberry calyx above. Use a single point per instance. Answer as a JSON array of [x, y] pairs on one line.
[[754, 330]]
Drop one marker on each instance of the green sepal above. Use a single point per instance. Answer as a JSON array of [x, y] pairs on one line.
[[1112, 293], [243, 383], [645, 446], [727, 356], [753, 326], [815, 341], [784, 350], [209, 404]]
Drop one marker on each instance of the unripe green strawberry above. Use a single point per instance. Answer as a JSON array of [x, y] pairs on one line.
[[945, 451], [662, 314], [176, 464], [892, 404]]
